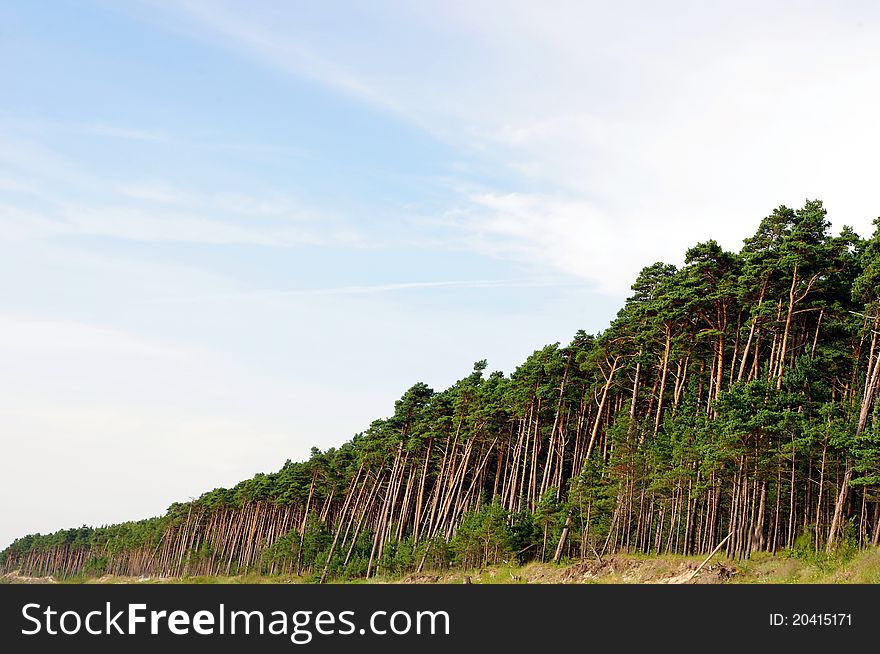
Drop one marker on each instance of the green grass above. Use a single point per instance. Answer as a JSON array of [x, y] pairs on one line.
[[846, 568], [252, 578], [787, 567]]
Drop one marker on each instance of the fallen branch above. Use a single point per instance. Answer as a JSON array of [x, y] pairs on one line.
[[707, 559]]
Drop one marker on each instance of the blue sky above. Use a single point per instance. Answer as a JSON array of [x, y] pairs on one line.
[[231, 231]]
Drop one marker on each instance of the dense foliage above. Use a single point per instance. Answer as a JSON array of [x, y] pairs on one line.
[[731, 401]]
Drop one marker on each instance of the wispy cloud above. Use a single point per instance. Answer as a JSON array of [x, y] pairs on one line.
[[152, 192], [370, 289], [140, 224], [543, 232], [604, 125], [450, 284], [169, 226], [14, 185], [276, 49], [20, 224], [127, 133], [86, 202]]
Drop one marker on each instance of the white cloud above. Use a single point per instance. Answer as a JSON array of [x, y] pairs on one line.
[[127, 133], [451, 284], [568, 236], [267, 202], [152, 192], [17, 185], [166, 226], [375, 289], [137, 224], [636, 129], [274, 47], [84, 202], [18, 224]]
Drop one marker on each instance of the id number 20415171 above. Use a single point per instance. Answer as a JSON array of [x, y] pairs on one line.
[[811, 620]]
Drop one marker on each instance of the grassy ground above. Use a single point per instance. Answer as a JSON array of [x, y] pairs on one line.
[[861, 568], [857, 568]]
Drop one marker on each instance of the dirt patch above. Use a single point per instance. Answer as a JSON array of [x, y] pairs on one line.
[[609, 568], [16, 578], [420, 579], [716, 573], [622, 569]]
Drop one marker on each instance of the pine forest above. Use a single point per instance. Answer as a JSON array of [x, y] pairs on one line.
[[731, 402]]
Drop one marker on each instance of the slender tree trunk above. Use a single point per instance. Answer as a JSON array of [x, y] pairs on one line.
[[838, 509]]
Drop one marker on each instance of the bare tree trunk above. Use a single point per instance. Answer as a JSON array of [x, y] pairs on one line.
[[838, 509]]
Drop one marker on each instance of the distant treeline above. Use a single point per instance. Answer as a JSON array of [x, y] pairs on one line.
[[734, 396]]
